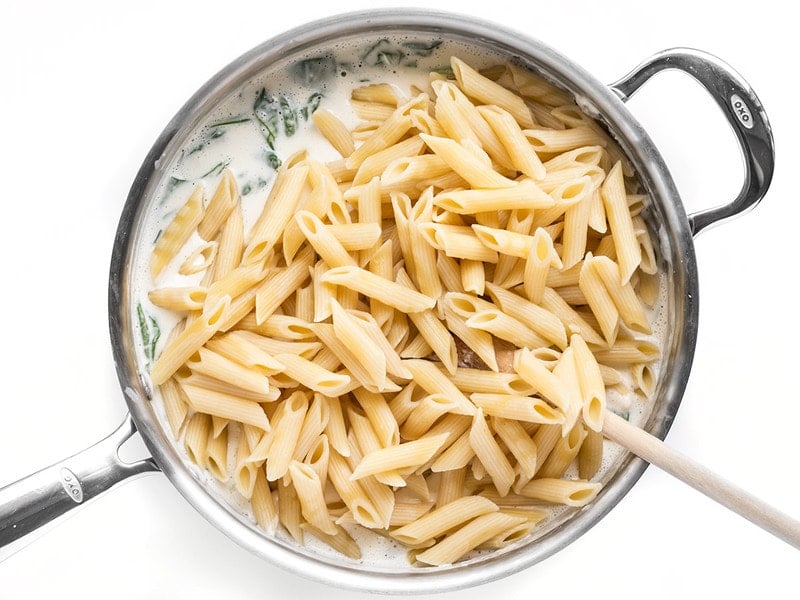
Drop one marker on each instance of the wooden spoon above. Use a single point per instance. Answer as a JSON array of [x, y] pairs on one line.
[[657, 453]]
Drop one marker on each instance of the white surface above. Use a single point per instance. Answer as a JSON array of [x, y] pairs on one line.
[[87, 88]]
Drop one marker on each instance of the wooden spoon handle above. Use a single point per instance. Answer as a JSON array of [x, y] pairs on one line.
[[657, 453]]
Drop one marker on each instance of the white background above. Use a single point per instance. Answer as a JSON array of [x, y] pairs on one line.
[[86, 89]]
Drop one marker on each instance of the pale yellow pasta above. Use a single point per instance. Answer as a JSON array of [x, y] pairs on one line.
[[188, 341], [312, 375], [245, 471], [195, 438], [289, 511], [457, 456], [369, 325], [335, 428], [375, 165], [219, 208], [628, 305], [468, 537], [178, 232], [571, 319], [470, 380], [486, 91], [505, 327], [479, 341], [546, 383], [207, 362], [552, 140], [264, 510], [476, 170], [412, 169], [424, 413], [323, 240], [178, 298], [199, 260], [380, 416], [231, 244], [457, 241], [600, 301], [434, 381], [522, 154], [518, 442], [406, 339], [276, 289], [350, 360], [185, 376], [473, 276], [217, 456], [407, 454], [541, 320], [176, 406], [593, 391], [504, 241], [442, 519], [590, 456], [388, 133], [564, 452], [336, 132], [309, 493], [525, 194], [236, 282], [519, 408], [279, 446], [562, 491], [227, 406], [489, 454], [278, 210], [393, 294], [644, 378], [433, 330], [629, 253]]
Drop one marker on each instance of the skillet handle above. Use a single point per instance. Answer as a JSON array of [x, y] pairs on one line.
[[45, 497], [741, 107]]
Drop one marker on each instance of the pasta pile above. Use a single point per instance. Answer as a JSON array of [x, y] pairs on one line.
[[417, 338]]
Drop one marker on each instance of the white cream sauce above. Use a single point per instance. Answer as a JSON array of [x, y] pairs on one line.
[[242, 147]]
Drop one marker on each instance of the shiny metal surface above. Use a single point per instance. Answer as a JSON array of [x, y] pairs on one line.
[[741, 108], [672, 229], [42, 499]]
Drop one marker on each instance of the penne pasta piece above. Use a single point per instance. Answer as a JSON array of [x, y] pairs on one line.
[[519, 408], [312, 375], [177, 233], [408, 454], [188, 341], [629, 254], [468, 537], [261, 500], [278, 211], [333, 130], [486, 91], [219, 208], [510, 134], [562, 491], [476, 171], [600, 301], [525, 194], [226, 406], [489, 453], [390, 293], [178, 298], [309, 493]]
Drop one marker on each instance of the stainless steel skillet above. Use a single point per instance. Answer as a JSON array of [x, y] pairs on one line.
[[52, 492]]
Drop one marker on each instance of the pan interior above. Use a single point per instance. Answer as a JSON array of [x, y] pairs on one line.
[[220, 128]]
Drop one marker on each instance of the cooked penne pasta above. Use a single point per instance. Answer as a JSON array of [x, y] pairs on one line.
[[416, 338]]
